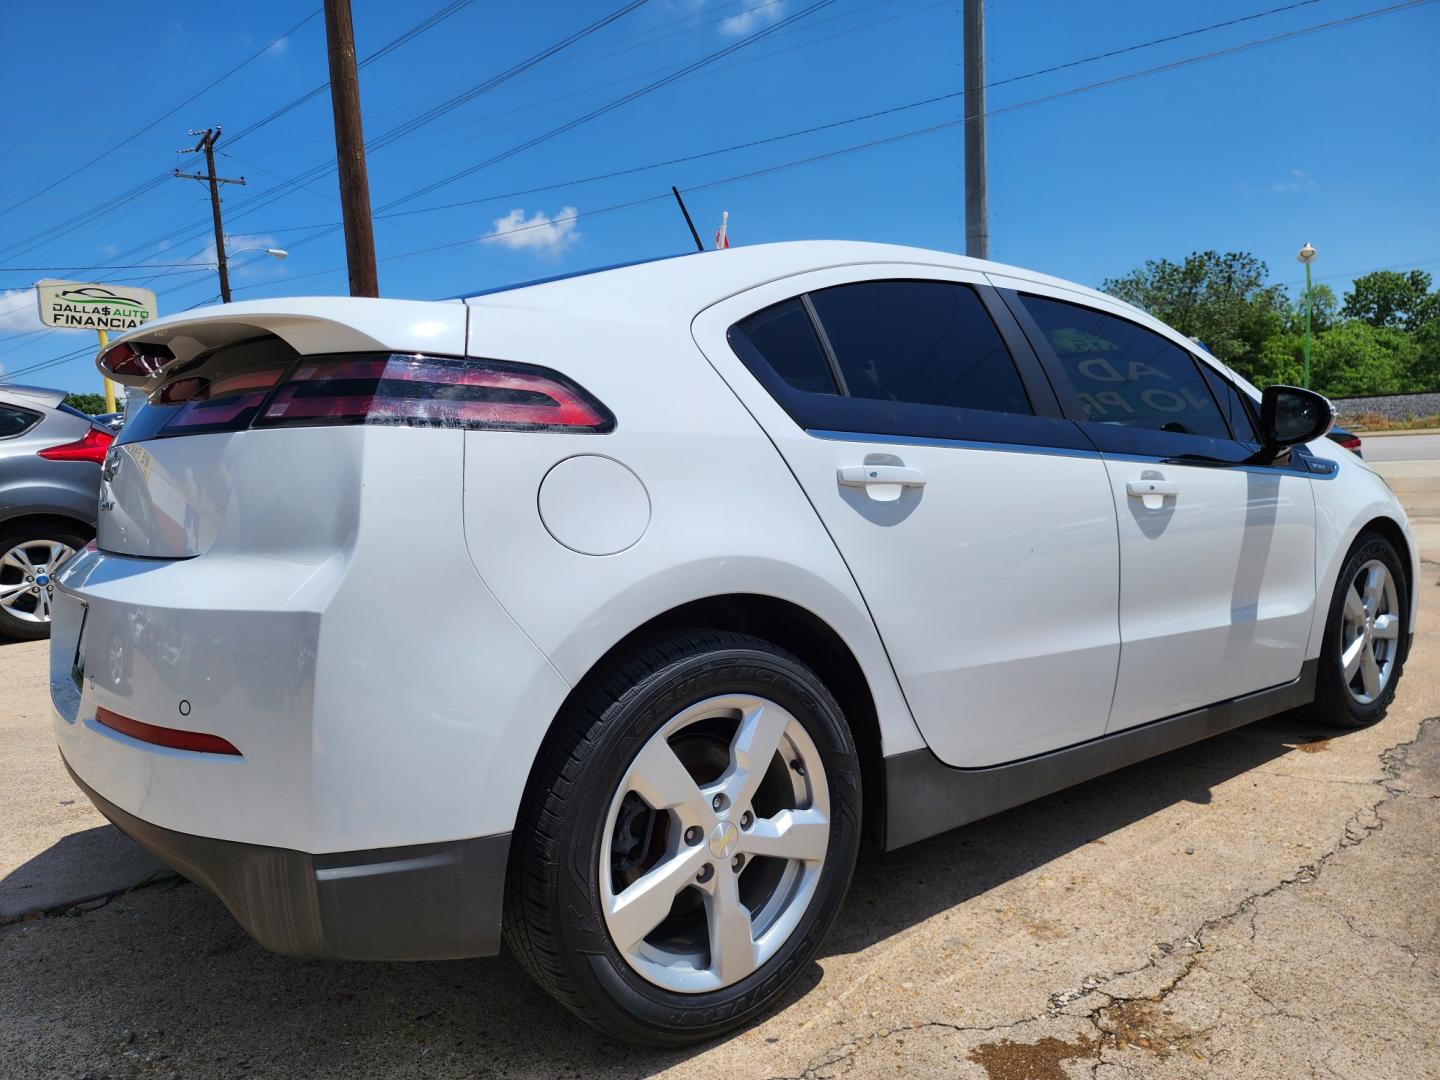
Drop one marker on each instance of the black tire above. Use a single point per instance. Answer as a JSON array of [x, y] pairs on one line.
[[1334, 703], [11, 626], [554, 921]]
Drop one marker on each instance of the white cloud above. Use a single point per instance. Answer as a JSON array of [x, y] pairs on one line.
[[278, 47], [752, 18], [1295, 180], [20, 314], [538, 232]]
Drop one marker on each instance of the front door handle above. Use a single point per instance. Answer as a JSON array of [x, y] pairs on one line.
[[883, 483], [1152, 492]]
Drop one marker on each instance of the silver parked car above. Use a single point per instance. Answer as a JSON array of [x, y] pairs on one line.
[[50, 458]]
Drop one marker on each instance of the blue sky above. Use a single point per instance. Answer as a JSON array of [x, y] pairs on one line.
[[1329, 137]]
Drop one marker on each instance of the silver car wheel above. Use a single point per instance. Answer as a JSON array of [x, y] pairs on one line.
[[27, 578], [1369, 632], [714, 843]]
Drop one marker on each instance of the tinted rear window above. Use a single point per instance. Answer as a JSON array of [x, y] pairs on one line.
[[924, 342], [784, 336], [15, 421]]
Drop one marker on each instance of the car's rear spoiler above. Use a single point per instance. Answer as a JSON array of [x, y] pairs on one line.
[[310, 325], [34, 396]]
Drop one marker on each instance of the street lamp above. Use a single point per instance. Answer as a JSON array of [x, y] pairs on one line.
[[279, 253], [1306, 255], [224, 254]]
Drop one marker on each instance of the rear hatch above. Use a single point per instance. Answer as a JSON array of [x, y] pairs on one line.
[[230, 433]]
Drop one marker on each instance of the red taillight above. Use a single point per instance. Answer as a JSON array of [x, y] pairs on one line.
[[432, 392], [140, 359], [174, 738], [1351, 442], [89, 447]]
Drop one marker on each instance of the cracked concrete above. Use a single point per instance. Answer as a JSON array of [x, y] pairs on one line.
[[1264, 904]]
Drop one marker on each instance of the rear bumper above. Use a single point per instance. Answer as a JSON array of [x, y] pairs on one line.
[[421, 902]]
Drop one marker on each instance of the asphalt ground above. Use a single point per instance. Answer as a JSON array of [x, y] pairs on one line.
[[1265, 904]]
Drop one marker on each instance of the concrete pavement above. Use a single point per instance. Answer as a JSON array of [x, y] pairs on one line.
[[1263, 904], [1400, 445]]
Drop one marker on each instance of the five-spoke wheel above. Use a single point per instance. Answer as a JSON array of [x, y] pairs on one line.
[[686, 840], [1366, 635], [714, 843]]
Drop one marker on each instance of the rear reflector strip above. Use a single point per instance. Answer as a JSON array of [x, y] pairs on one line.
[[174, 738]]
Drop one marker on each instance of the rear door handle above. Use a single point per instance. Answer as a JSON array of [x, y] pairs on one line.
[[883, 483], [1152, 493]]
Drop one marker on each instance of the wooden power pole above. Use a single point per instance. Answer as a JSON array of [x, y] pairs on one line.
[[350, 150], [977, 198], [208, 138]]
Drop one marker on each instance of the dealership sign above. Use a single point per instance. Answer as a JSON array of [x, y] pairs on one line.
[[78, 305]]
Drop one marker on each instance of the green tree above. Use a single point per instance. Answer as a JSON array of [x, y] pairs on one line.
[[1324, 308], [1355, 359], [1390, 298], [1221, 299], [94, 404]]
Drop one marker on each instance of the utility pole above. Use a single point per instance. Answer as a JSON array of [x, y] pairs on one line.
[[977, 199], [350, 150], [208, 138]]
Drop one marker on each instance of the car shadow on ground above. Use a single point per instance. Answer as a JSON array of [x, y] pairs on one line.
[[166, 975]]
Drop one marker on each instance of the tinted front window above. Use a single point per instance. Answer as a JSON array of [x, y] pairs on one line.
[[1232, 404], [1125, 374], [784, 336], [15, 421], [924, 342]]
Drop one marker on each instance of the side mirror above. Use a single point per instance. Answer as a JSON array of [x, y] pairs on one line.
[[1290, 415]]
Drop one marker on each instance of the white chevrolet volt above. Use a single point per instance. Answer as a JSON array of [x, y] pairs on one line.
[[607, 614]]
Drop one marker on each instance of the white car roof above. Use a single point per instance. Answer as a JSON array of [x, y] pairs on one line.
[[696, 280]]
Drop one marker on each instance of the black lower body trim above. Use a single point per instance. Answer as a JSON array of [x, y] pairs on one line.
[[421, 902], [924, 796]]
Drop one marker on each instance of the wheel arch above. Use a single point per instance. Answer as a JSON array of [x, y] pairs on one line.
[[46, 517], [791, 627]]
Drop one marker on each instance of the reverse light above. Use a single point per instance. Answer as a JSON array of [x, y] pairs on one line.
[[173, 738], [89, 447], [430, 391]]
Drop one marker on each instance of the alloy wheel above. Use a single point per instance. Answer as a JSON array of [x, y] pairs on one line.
[[27, 578], [714, 843], [1369, 632]]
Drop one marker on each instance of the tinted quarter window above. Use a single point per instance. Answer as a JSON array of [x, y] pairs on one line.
[[1232, 404], [15, 421], [924, 342], [784, 336], [1125, 374]]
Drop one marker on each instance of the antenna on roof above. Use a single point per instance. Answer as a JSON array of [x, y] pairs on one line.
[[695, 235]]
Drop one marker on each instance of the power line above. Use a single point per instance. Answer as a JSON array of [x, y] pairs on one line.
[[103, 266], [79, 220], [914, 133], [261, 200], [624, 99], [1244, 46], [873, 115], [164, 116]]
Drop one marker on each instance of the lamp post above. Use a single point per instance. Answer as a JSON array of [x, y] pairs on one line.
[[1306, 255], [278, 254]]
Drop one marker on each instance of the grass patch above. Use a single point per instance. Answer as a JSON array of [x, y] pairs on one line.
[[1370, 421]]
